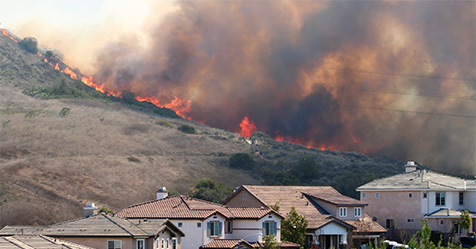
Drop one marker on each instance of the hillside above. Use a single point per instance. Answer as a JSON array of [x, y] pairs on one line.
[[58, 154]]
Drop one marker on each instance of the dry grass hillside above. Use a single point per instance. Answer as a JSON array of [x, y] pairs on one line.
[[99, 152]]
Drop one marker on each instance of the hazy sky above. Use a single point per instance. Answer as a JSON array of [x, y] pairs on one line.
[[63, 25]]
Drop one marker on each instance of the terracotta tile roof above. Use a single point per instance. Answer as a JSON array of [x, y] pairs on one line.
[[96, 226], [226, 243], [284, 244], [366, 225], [419, 179], [336, 198], [184, 207], [36, 241], [289, 196]]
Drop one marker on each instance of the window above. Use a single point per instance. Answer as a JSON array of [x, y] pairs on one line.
[[390, 223], [442, 222], [377, 195], [425, 195], [461, 198], [364, 195], [244, 196], [140, 244], [162, 243], [457, 229], [229, 226], [174, 243], [440, 199], [343, 212], [410, 220], [410, 195], [114, 244], [180, 224], [214, 228], [167, 244], [199, 224], [357, 212], [269, 228]]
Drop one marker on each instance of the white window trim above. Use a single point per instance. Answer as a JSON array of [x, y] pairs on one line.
[[120, 242], [137, 242], [342, 212], [357, 212]]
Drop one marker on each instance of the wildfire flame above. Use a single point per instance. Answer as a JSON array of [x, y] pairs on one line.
[[247, 127], [5, 32]]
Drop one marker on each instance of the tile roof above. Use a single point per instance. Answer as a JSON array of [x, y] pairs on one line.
[[226, 243], [97, 226], [366, 224], [419, 179], [232, 243], [448, 213], [184, 207], [36, 241], [336, 199]]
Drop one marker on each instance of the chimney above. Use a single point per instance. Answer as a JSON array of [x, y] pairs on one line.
[[90, 209], [410, 166], [162, 193]]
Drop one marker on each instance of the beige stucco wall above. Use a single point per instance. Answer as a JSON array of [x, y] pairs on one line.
[[101, 242], [243, 199], [395, 205]]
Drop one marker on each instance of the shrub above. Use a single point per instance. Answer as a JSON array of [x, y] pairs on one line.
[[209, 190], [164, 123], [187, 129], [29, 44], [241, 161]]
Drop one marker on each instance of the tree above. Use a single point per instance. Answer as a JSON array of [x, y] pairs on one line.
[[305, 169], [29, 44], [187, 129], [293, 228], [270, 242], [209, 190], [465, 220], [241, 161]]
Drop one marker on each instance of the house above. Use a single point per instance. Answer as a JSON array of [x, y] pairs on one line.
[[402, 201], [335, 220], [36, 241], [208, 224], [105, 231]]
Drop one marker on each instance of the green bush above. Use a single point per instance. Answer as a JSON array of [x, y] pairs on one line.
[[164, 123], [209, 190], [241, 161], [29, 44], [187, 129]]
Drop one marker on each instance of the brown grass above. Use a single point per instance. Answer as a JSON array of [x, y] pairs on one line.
[[50, 165]]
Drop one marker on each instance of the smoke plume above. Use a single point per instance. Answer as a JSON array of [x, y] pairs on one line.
[[378, 77]]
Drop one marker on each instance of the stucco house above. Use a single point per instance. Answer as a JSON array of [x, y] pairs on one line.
[[402, 201], [207, 224], [335, 220], [106, 231]]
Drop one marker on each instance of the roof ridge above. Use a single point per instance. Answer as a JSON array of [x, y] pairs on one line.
[[115, 223], [205, 201]]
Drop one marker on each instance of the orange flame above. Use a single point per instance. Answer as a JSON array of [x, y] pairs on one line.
[[57, 67], [69, 72], [5, 32], [180, 106], [247, 127]]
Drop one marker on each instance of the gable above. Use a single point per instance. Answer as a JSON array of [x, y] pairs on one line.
[[243, 198], [331, 228]]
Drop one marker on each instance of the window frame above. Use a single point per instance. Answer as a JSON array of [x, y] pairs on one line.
[[137, 243], [214, 226], [199, 225], [114, 241], [357, 212], [440, 199], [377, 195], [390, 223], [410, 195], [229, 226], [269, 229], [174, 243], [364, 195], [461, 198], [342, 211]]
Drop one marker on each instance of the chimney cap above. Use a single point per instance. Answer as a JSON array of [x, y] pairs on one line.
[[90, 205], [411, 163], [162, 189]]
